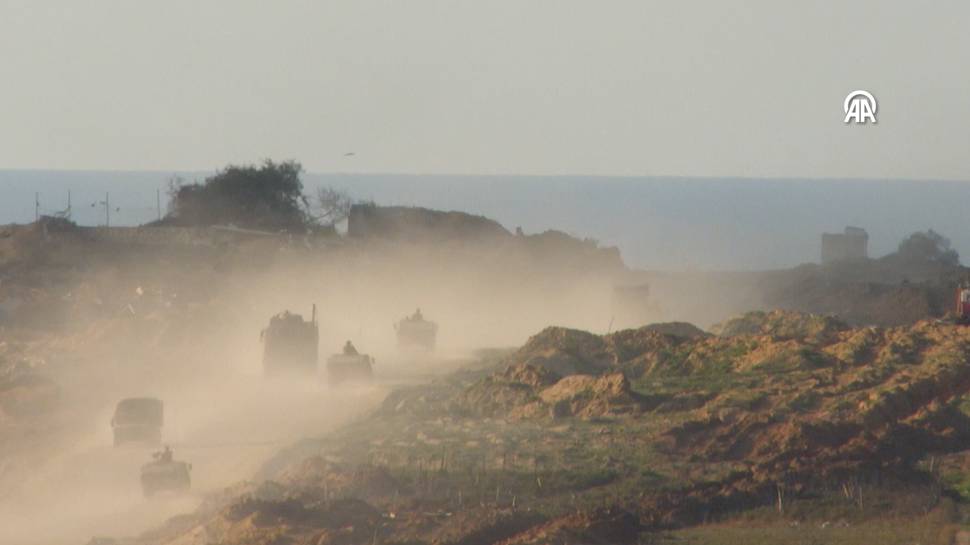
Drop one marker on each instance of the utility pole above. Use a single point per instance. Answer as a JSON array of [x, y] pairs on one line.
[[68, 204], [36, 206], [158, 202], [107, 210]]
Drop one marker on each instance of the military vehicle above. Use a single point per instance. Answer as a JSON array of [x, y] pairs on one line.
[[349, 365], [416, 332], [164, 474], [138, 420], [290, 344]]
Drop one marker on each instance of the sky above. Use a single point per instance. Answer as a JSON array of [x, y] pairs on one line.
[[616, 88]]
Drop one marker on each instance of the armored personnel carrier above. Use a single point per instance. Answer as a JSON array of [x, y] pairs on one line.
[[349, 366], [290, 344], [138, 420], [416, 332], [165, 474]]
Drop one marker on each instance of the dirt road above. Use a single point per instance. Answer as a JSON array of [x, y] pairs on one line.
[[226, 431]]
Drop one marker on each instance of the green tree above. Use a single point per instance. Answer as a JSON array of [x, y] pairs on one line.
[[927, 246], [267, 196]]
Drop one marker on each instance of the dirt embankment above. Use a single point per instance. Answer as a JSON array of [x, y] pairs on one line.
[[581, 438], [884, 292], [571, 437], [91, 316]]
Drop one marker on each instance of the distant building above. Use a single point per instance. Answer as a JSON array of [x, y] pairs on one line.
[[850, 245]]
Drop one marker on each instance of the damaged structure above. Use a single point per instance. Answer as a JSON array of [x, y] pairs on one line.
[[850, 245]]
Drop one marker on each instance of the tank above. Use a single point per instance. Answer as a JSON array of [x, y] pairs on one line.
[[165, 474], [290, 345], [349, 366], [416, 332], [138, 420]]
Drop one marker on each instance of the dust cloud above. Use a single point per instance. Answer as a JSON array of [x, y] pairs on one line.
[[184, 326]]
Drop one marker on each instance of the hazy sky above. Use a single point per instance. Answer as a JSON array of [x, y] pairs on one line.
[[708, 88]]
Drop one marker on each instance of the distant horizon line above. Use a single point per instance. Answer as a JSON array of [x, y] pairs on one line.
[[501, 175]]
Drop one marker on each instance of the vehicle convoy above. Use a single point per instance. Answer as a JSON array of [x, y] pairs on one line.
[[416, 332], [349, 366], [290, 345], [138, 420], [165, 474]]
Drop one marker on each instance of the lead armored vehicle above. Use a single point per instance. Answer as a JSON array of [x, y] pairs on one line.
[[138, 420], [165, 474], [349, 366], [290, 345], [416, 332]]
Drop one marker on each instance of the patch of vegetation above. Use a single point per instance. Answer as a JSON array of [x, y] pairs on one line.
[[268, 196]]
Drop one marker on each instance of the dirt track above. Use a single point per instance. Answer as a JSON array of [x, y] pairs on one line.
[[92, 489]]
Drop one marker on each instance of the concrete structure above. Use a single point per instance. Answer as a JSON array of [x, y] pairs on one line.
[[849, 245]]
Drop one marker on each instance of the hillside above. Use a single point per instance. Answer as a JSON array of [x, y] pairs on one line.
[[580, 438], [882, 292], [91, 316]]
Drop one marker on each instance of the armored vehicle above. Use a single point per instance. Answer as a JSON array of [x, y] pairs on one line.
[[349, 365], [416, 332], [164, 474], [290, 344], [138, 420]]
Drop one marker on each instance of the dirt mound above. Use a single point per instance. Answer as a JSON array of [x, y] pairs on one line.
[[565, 351], [754, 339], [570, 351], [604, 525], [495, 396], [415, 223], [781, 324], [565, 252], [676, 329], [778, 397], [526, 391], [555, 250], [585, 396], [783, 407], [524, 373]]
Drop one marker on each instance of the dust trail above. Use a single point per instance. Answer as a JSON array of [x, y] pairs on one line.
[[226, 433], [182, 324]]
